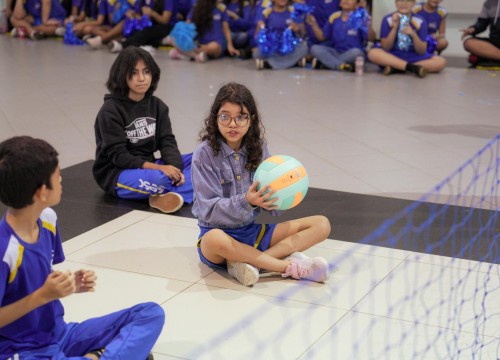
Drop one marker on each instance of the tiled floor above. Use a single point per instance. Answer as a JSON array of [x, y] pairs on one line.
[[369, 143], [362, 312]]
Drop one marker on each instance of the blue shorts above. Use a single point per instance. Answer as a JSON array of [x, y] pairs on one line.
[[256, 235]]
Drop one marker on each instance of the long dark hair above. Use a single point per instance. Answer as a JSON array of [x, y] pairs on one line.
[[203, 15], [123, 69], [254, 139]]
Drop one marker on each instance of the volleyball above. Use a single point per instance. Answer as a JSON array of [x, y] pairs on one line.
[[287, 177]]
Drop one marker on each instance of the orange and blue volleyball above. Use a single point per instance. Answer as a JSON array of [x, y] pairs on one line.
[[287, 177]]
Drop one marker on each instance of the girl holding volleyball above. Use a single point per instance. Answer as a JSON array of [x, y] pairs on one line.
[[227, 202]]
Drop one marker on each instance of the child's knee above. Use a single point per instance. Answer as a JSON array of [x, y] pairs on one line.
[[323, 225]]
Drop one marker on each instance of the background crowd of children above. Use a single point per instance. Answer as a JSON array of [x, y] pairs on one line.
[[411, 38]]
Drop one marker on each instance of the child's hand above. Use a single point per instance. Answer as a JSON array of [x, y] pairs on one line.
[[408, 30], [58, 285], [467, 32], [174, 174], [257, 198], [395, 19], [311, 20], [85, 281], [232, 51], [146, 10]]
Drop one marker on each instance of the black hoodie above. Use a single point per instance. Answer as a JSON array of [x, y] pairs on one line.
[[489, 16], [127, 134]]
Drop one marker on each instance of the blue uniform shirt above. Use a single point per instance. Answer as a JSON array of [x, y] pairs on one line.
[[341, 35], [419, 26], [24, 269], [220, 184], [215, 33], [34, 8], [433, 19], [244, 22], [168, 5], [277, 20]]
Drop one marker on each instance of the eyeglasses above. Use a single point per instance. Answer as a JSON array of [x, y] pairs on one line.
[[405, 1], [239, 121]]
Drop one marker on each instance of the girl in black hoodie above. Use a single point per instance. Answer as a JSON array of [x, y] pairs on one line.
[[484, 49], [131, 125]]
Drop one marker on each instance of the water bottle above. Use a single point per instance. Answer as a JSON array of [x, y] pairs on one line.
[[359, 65]]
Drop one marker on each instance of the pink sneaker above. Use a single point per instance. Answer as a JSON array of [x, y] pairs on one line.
[[314, 269]]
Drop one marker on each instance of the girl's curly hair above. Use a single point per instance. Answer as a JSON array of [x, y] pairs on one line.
[[254, 139]]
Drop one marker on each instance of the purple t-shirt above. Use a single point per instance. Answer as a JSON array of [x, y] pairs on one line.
[[23, 269], [277, 20], [244, 22], [168, 5], [323, 9], [34, 8], [418, 25], [433, 19], [215, 33], [341, 35]]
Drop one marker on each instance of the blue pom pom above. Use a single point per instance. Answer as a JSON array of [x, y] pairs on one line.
[[300, 12], [145, 22], [267, 42], [288, 42], [184, 34], [431, 44], [128, 27], [359, 19], [120, 11], [70, 37]]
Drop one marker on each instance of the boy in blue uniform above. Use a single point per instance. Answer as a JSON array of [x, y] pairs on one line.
[[403, 44], [31, 315], [345, 41], [435, 16]]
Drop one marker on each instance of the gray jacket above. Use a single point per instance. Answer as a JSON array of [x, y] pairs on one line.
[[489, 16]]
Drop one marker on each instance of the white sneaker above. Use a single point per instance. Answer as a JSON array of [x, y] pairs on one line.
[[201, 57], [175, 54], [168, 203], [60, 31], [302, 62], [314, 269], [115, 46], [14, 32], [95, 42], [167, 41], [149, 49], [297, 255], [86, 37], [246, 274]]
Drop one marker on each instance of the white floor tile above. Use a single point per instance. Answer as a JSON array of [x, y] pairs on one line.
[[207, 322], [362, 336], [148, 248]]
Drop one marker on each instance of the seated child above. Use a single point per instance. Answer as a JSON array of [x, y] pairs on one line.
[[130, 127], [163, 15], [227, 201], [277, 18], [482, 49], [435, 16], [403, 44], [39, 18], [344, 42], [105, 34], [32, 324], [213, 33], [240, 21]]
